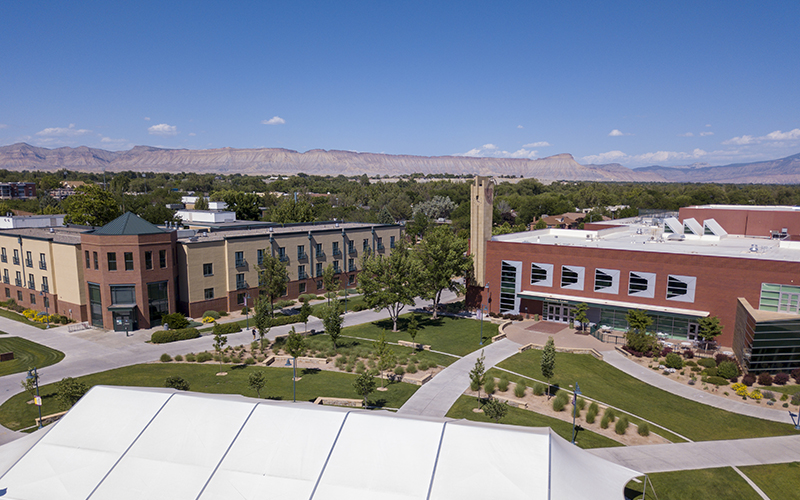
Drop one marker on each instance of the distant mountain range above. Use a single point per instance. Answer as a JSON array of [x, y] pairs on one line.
[[267, 161]]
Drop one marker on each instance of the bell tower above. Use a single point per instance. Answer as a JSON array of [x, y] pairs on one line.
[[481, 200]]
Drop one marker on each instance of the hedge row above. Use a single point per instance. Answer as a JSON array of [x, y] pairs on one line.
[[164, 336], [226, 328]]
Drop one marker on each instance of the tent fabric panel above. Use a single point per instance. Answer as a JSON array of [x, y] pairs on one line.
[[381, 456], [84, 445], [282, 449], [577, 474], [477, 461], [176, 455]]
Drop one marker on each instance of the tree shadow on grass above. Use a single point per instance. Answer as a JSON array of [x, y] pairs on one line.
[[238, 367], [310, 371]]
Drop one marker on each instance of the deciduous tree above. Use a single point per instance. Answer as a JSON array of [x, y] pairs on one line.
[[477, 375], [364, 384], [257, 381], [220, 340], [332, 320], [495, 409], [391, 282], [295, 346], [69, 391], [709, 328], [272, 278], [548, 362], [262, 317], [580, 314], [443, 257], [91, 206]]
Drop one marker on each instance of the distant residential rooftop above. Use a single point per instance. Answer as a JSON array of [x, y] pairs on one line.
[[223, 234], [646, 238]]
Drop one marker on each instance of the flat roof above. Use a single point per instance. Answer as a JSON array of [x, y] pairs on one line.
[[70, 235], [279, 230], [763, 208], [644, 238]]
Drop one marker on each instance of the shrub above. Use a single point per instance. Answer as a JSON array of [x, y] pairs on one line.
[[178, 358], [581, 404], [538, 389], [175, 321], [749, 379], [673, 361], [411, 368], [719, 358], [690, 363], [764, 379], [360, 367], [166, 358], [612, 415], [688, 354], [423, 365], [250, 360], [756, 395], [502, 385], [728, 369], [768, 394], [280, 304], [780, 378], [591, 413], [796, 399], [796, 375], [176, 382], [223, 313], [710, 372], [706, 362], [349, 367], [519, 389], [784, 397], [665, 351], [488, 386], [621, 426], [716, 381], [69, 391], [191, 357], [604, 421], [211, 314], [226, 359], [226, 328], [697, 369], [644, 429], [560, 401], [165, 336], [399, 370], [203, 357]]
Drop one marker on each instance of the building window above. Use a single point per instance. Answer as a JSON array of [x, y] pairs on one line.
[[319, 251], [129, 261], [33, 299], [301, 288], [260, 254], [157, 301], [509, 285], [88, 262], [779, 298], [336, 267], [642, 284], [351, 246], [148, 260], [28, 259], [45, 285], [46, 302], [240, 283], [3, 255], [365, 245], [282, 254], [301, 272], [239, 259], [42, 262], [351, 279], [5, 277], [208, 269], [31, 282], [240, 298], [572, 277], [8, 292], [681, 288], [320, 285], [16, 257], [380, 243], [95, 305], [19, 295], [208, 293], [18, 279], [112, 261], [96, 261], [319, 270], [301, 252], [541, 274], [606, 281], [351, 265], [123, 294], [335, 245], [162, 258], [391, 241]]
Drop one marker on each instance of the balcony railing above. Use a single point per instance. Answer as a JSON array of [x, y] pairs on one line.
[[336, 252], [32, 285], [29, 262], [5, 280], [302, 256], [4, 258], [45, 288], [283, 258], [241, 284], [17, 281], [380, 247], [336, 270], [321, 254], [352, 269], [352, 251], [302, 276], [15, 260], [241, 262], [43, 265]]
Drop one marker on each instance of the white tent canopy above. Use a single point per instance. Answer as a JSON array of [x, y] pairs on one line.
[[131, 443]]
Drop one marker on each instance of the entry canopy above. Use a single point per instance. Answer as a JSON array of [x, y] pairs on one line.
[[132, 443]]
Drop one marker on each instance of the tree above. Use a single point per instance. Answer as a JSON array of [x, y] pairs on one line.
[[69, 391], [329, 281], [219, 344], [246, 205], [638, 320], [305, 312], [442, 256], [549, 362], [295, 346], [437, 207], [709, 329], [495, 409], [91, 206], [386, 361], [364, 384], [272, 277], [413, 327], [262, 317], [391, 282], [637, 337], [288, 211], [477, 375], [257, 381], [580, 314], [201, 203], [418, 227], [332, 321], [385, 217], [176, 382]]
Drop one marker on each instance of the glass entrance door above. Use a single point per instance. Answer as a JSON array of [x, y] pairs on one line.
[[560, 313], [692, 331]]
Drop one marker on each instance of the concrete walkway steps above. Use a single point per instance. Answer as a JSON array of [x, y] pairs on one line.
[[435, 398]]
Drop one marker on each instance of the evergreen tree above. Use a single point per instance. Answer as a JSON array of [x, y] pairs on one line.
[[477, 375], [549, 362]]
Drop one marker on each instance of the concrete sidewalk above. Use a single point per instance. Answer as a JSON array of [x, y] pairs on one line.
[[656, 379], [704, 455], [435, 398]]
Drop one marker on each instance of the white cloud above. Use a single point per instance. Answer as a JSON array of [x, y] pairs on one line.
[[703, 134], [109, 140], [610, 156], [617, 133], [520, 126], [147, 118], [70, 131], [275, 120], [783, 136], [541, 144], [492, 151], [489, 146], [740, 141], [645, 158], [708, 124], [687, 134], [192, 134], [791, 135], [163, 129]]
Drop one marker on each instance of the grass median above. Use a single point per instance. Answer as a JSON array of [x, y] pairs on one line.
[[719, 484], [27, 355]]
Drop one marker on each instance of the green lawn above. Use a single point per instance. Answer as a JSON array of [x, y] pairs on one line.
[[778, 481], [16, 414], [601, 381], [27, 355], [352, 301], [321, 346], [719, 484], [457, 336], [516, 416], [22, 319]]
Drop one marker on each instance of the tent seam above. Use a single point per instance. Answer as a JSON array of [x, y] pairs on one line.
[[436, 461], [327, 459]]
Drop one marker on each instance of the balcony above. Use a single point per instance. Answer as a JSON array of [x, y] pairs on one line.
[[29, 263], [241, 262], [302, 276], [5, 280], [283, 258], [352, 269], [381, 248], [43, 265], [352, 251], [337, 270], [241, 284], [32, 285], [321, 255], [336, 252], [4, 258], [302, 256], [45, 288], [15, 260]]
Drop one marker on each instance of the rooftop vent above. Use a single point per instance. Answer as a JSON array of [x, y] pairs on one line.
[[754, 248], [639, 231]]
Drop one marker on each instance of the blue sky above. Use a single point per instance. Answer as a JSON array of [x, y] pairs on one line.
[[638, 83]]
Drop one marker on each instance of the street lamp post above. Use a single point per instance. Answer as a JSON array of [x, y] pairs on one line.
[[482, 312], [34, 375], [574, 409], [247, 313], [345, 299]]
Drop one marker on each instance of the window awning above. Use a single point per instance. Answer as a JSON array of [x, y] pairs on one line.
[[530, 294], [122, 307]]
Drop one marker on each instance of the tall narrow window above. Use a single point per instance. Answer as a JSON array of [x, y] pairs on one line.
[[319, 270], [3, 256], [88, 262], [95, 305], [42, 262], [96, 261], [148, 260], [162, 258], [260, 255], [129, 261], [112, 261], [239, 256], [45, 285]]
